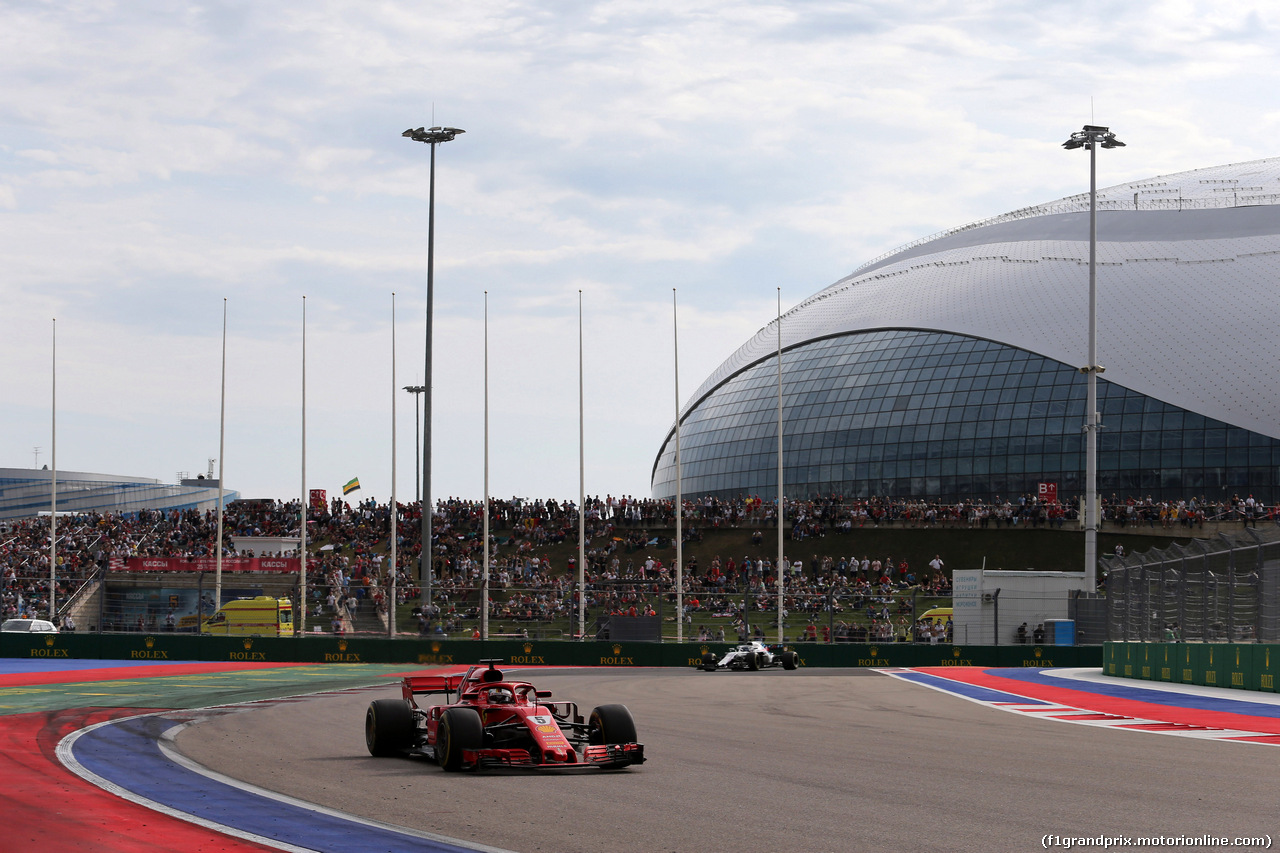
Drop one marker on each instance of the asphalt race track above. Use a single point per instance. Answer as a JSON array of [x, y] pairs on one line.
[[771, 762]]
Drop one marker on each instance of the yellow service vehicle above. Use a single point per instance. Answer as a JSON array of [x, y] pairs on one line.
[[936, 616], [263, 616]]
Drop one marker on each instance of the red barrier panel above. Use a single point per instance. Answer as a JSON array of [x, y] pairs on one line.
[[284, 565]]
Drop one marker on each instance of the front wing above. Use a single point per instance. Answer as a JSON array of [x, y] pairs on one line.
[[611, 756]]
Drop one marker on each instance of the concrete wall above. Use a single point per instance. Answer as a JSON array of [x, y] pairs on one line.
[[264, 545]]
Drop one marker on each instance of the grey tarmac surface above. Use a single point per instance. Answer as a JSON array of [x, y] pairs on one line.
[[771, 762]]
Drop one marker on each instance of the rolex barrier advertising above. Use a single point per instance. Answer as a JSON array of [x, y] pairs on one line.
[[328, 648], [1243, 666], [1266, 663]]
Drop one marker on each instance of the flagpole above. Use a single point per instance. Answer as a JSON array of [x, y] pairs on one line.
[[53, 488], [222, 445], [302, 536], [782, 500], [582, 491], [675, 342], [484, 579], [395, 507]]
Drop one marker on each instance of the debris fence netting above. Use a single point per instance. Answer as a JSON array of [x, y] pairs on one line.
[[1225, 590]]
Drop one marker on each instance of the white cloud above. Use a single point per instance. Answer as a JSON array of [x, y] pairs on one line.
[[158, 158]]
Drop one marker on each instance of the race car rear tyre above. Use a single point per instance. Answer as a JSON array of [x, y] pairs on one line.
[[753, 661], [709, 662], [388, 727], [790, 660], [611, 724], [459, 729]]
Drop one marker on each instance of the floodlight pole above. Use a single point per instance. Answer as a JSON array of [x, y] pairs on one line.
[[415, 390], [53, 484], [431, 136], [1092, 137]]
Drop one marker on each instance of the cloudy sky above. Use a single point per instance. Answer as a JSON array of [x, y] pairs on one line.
[[157, 159]]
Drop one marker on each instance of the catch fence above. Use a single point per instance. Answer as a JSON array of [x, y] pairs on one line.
[[172, 603], [1222, 589]]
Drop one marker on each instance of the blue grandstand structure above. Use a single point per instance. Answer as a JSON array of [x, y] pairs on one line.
[[27, 492]]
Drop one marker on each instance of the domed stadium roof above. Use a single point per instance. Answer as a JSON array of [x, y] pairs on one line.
[[1187, 273]]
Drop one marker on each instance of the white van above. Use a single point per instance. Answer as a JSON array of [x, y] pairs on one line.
[[28, 626]]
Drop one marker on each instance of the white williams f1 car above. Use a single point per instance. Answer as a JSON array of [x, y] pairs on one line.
[[751, 656]]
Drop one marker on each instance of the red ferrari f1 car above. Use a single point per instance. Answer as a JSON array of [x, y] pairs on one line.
[[494, 722]]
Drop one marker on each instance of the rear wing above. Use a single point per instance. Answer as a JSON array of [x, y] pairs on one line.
[[424, 684]]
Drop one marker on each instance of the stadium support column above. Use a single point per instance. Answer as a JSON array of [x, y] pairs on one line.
[[431, 136], [1092, 137]]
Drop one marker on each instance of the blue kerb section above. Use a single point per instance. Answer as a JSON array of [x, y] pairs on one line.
[[969, 691], [24, 666], [127, 754], [1223, 704]]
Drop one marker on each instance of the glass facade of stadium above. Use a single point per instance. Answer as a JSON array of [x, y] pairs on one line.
[[921, 414]]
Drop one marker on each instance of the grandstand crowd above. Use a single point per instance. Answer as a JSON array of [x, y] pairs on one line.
[[621, 576]]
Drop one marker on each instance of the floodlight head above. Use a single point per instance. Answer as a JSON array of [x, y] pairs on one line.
[[433, 135], [1092, 135]]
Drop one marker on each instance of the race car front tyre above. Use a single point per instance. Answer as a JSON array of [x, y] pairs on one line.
[[611, 724], [388, 726], [459, 729], [753, 661], [790, 660], [709, 662]]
